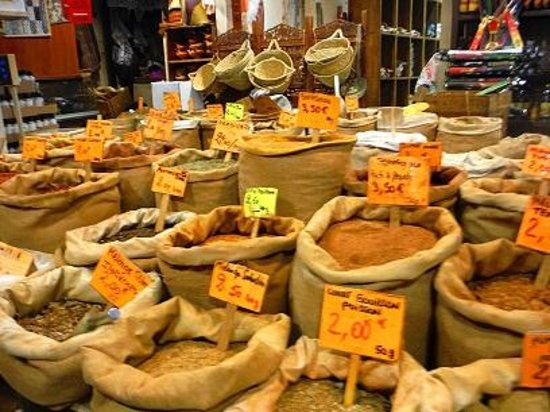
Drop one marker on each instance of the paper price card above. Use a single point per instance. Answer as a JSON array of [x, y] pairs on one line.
[[214, 111], [34, 148], [260, 202], [158, 128], [170, 181], [288, 119], [14, 261], [88, 150], [362, 322], [99, 128], [227, 134], [352, 103], [117, 278], [534, 231], [537, 161], [135, 137], [238, 285], [535, 363], [171, 101], [400, 181], [234, 111], [317, 110], [431, 151]]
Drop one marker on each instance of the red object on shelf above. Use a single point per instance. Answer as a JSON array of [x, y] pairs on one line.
[[78, 11]]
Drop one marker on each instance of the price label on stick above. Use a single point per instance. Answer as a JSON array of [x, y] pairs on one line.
[[238, 285], [400, 181], [159, 127], [214, 111], [227, 134], [317, 110], [34, 148], [135, 137], [431, 151], [535, 362], [537, 161], [99, 128], [117, 278], [287, 119], [170, 181], [534, 231], [234, 111], [14, 261], [352, 103], [171, 101], [362, 322], [260, 202], [89, 149]]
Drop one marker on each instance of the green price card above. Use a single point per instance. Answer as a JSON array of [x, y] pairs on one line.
[[260, 202], [234, 111]]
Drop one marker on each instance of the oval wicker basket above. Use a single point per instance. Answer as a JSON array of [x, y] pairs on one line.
[[231, 69]]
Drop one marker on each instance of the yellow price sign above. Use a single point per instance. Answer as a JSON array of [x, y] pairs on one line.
[[260, 202], [352, 103], [158, 127], [34, 148], [400, 181], [135, 137], [537, 161], [534, 231], [172, 101], [431, 151], [214, 111], [170, 181], [317, 110], [89, 149], [14, 261], [362, 322], [535, 362], [287, 119], [415, 108], [99, 128], [227, 135], [238, 285], [117, 278], [234, 111]]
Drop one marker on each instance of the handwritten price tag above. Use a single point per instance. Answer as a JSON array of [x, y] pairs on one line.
[[362, 322], [171, 101], [14, 261], [352, 103], [117, 278], [288, 119], [238, 285], [170, 181], [534, 231], [535, 363], [158, 127], [88, 150], [99, 128], [318, 110], [431, 151], [398, 181], [234, 111], [537, 161], [34, 148], [214, 111], [135, 137], [227, 134], [260, 202]]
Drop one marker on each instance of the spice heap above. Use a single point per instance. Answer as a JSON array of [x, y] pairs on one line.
[[187, 355], [58, 320], [327, 396], [5, 176], [230, 237], [358, 243], [54, 187], [127, 234], [512, 292], [206, 165]]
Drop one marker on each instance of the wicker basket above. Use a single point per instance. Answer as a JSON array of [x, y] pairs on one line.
[[468, 133], [231, 69], [274, 51], [343, 74], [330, 56], [204, 78], [270, 71]]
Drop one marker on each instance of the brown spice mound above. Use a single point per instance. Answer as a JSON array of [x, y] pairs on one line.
[[127, 234], [231, 237], [512, 292], [58, 320], [327, 396], [187, 355], [53, 188], [358, 243]]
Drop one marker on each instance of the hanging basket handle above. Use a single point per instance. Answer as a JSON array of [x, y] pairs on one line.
[[246, 45], [338, 34], [273, 44]]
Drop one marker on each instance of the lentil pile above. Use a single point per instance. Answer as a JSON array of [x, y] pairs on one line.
[[187, 355], [512, 292], [58, 320], [127, 234], [358, 243], [327, 396], [206, 165]]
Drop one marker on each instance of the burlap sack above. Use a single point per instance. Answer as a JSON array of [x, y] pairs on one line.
[[186, 265], [292, 164], [186, 138], [492, 208], [9, 170], [42, 262], [514, 147], [41, 369], [467, 133], [411, 277], [207, 128], [39, 221], [206, 190], [361, 122], [468, 330], [119, 386], [423, 123], [82, 245], [360, 155]]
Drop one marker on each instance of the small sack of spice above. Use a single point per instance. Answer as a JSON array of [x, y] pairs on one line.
[[166, 359]]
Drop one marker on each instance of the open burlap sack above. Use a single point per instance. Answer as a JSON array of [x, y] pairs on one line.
[[39, 221], [205, 190], [9, 170], [411, 277], [120, 386], [186, 138], [467, 133], [292, 164], [41, 369], [361, 122], [468, 330], [423, 123], [360, 155], [82, 245], [514, 147], [186, 264], [492, 208]]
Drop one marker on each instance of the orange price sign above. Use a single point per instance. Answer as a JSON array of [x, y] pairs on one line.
[[99, 128], [535, 362], [287, 119], [172, 101], [117, 278], [238, 285], [534, 231], [227, 135], [352, 103], [34, 148], [537, 161], [88, 150], [431, 151], [135, 137], [317, 110], [214, 111], [14, 261], [159, 126], [362, 322], [170, 181], [401, 181]]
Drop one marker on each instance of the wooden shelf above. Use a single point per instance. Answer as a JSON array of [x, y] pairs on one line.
[[30, 111], [26, 86], [536, 13], [202, 60], [472, 16]]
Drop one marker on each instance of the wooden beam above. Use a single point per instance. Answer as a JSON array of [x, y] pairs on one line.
[[373, 45]]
